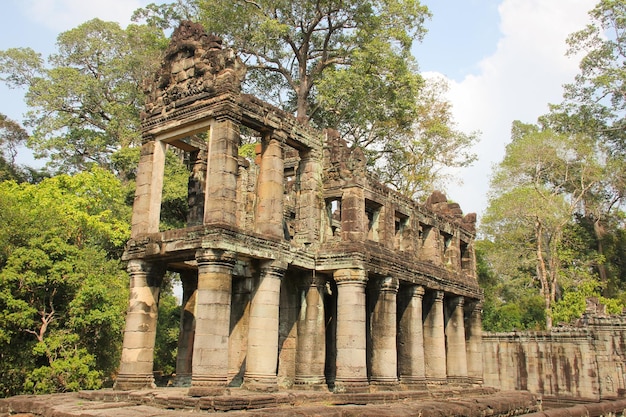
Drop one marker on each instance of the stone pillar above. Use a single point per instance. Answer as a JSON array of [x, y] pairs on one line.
[[452, 253], [220, 204], [262, 356], [351, 333], [210, 348], [187, 329], [196, 187], [430, 244], [411, 339], [311, 347], [456, 357], [435, 341], [383, 331], [474, 342], [137, 360], [353, 218], [270, 190], [147, 204], [309, 204]]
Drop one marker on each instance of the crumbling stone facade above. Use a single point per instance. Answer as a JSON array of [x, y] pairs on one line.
[[299, 270], [583, 361]]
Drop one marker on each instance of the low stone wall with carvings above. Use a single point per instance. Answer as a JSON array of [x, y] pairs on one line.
[[582, 361]]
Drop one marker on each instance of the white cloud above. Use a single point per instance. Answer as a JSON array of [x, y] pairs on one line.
[[61, 15], [517, 82]]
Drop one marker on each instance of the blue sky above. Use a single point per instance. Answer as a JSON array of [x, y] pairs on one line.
[[504, 60]]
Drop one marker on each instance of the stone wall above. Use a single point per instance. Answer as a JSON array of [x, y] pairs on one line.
[[582, 361]]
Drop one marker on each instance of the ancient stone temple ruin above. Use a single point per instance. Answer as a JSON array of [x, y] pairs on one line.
[[299, 270]]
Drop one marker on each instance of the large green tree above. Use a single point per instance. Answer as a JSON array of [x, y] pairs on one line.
[[84, 103], [598, 94], [62, 290], [536, 191], [595, 105]]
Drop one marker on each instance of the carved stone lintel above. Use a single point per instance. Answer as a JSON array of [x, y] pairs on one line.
[[195, 64]]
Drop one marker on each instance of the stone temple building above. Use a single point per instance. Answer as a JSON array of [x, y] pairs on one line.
[[299, 270]]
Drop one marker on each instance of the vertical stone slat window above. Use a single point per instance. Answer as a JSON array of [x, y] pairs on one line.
[[372, 210], [333, 216], [401, 224]]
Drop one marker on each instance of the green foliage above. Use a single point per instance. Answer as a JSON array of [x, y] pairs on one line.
[[71, 370], [301, 42], [515, 315], [174, 203], [511, 302], [573, 303], [63, 294], [413, 162], [166, 343], [599, 90], [537, 190], [85, 105], [345, 65], [12, 135]]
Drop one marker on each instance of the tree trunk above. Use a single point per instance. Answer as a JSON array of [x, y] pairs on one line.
[[599, 231], [542, 274]]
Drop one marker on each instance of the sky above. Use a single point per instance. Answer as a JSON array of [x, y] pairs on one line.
[[504, 60]]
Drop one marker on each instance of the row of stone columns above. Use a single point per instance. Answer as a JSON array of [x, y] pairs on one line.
[[412, 349], [423, 348]]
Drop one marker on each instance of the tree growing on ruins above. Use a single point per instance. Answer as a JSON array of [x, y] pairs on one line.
[[84, 105], [347, 66]]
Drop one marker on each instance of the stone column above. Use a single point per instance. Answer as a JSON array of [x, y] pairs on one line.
[[456, 358], [474, 340], [137, 360], [196, 187], [309, 204], [383, 331], [353, 218], [187, 329], [435, 341], [262, 356], [220, 204], [270, 190], [351, 333], [311, 345], [149, 189], [430, 245], [411, 339], [210, 348]]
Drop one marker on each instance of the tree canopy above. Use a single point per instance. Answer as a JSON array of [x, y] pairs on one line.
[[556, 216], [84, 106], [63, 289]]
